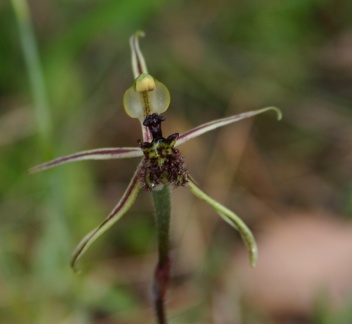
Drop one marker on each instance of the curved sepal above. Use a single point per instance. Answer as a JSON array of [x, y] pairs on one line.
[[97, 154], [231, 218], [204, 128], [120, 209]]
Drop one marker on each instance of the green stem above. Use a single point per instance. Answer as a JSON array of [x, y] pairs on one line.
[[162, 209]]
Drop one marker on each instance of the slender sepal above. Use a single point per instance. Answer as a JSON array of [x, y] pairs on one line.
[[120, 209], [97, 154], [231, 218], [204, 128]]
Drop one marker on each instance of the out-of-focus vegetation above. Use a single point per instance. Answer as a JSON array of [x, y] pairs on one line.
[[217, 58]]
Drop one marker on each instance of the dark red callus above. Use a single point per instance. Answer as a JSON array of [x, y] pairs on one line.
[[153, 122]]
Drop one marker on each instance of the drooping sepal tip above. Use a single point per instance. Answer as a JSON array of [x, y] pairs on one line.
[[277, 110], [253, 255], [231, 218]]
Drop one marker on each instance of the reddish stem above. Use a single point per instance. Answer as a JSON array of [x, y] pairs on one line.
[[161, 283]]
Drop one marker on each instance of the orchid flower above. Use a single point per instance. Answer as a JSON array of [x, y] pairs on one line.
[[162, 163], [161, 167]]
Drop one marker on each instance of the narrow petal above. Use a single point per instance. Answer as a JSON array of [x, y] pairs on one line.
[[119, 210], [97, 154], [222, 122], [231, 218]]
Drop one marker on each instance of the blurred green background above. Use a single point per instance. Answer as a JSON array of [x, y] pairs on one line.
[[217, 58]]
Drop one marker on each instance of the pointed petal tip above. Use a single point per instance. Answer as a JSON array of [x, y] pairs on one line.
[[38, 168], [75, 270], [75, 256], [73, 265]]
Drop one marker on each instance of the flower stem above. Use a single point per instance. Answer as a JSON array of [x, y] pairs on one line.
[[162, 208]]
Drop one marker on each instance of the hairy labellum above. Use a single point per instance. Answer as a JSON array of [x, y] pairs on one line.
[[163, 164]]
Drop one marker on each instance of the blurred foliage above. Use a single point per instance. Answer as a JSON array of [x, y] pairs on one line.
[[216, 58]]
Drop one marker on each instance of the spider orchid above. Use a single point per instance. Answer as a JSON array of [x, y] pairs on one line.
[[162, 165]]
